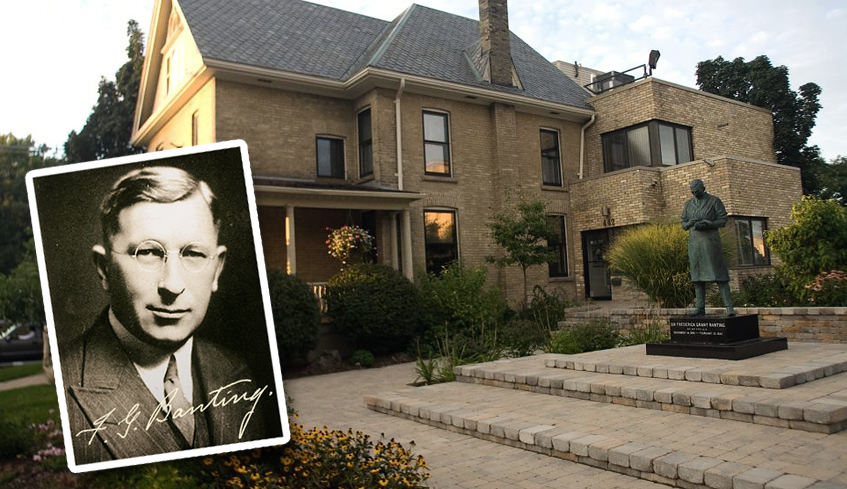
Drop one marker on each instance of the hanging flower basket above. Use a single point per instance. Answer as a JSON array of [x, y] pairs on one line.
[[349, 244]]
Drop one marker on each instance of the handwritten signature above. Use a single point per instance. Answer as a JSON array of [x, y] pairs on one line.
[[218, 398]]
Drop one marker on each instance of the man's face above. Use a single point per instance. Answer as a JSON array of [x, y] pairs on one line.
[[166, 306], [698, 189]]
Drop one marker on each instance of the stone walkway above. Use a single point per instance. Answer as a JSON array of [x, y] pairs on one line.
[[38, 379], [566, 408], [456, 460]]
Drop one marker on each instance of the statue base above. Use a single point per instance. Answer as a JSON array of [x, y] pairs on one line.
[[722, 337]]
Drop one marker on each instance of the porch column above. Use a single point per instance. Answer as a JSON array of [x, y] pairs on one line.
[[393, 242], [407, 245], [290, 244]]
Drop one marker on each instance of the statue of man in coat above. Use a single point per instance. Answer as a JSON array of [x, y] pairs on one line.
[[702, 216]]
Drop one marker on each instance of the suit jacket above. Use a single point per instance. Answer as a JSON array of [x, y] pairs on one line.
[[101, 381]]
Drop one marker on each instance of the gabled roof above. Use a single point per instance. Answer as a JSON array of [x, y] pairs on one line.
[[305, 38]]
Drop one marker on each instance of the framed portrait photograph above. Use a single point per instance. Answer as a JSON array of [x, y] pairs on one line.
[[157, 306]]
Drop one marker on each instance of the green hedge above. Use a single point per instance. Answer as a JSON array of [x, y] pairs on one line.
[[296, 316], [375, 306]]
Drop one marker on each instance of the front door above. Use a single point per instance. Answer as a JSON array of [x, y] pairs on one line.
[[597, 277]]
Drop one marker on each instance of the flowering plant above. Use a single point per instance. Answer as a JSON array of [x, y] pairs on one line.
[[829, 289], [320, 458], [348, 243]]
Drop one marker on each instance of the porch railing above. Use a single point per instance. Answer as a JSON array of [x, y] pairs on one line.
[[319, 291]]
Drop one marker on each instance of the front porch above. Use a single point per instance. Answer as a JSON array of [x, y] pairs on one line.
[[294, 217]]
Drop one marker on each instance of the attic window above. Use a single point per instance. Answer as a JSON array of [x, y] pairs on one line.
[[173, 23]]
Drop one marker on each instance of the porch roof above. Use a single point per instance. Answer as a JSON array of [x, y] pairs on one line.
[[276, 192]]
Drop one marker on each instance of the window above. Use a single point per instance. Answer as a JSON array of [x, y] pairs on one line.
[[436, 143], [195, 120], [366, 156], [652, 144], [551, 165], [751, 241], [330, 157], [440, 239], [558, 245]]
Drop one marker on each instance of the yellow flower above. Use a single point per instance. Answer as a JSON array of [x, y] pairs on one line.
[[207, 461], [383, 482]]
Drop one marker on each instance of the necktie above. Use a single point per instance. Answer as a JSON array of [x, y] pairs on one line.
[[181, 414]]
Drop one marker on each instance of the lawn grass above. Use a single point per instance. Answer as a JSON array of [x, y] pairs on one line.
[[34, 404], [12, 373]]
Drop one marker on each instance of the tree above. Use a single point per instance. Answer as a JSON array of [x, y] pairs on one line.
[[759, 83], [20, 291], [832, 179], [17, 157], [108, 129], [815, 243], [523, 236]]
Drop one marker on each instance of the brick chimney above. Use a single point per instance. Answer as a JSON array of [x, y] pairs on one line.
[[494, 41]]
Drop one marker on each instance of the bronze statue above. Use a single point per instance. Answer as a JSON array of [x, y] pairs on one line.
[[702, 216]]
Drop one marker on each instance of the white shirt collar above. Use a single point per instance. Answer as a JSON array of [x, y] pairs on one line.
[[153, 375]]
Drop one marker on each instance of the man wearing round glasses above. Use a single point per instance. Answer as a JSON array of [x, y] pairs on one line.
[[143, 384]]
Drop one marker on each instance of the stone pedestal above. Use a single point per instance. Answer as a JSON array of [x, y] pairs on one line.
[[728, 338]]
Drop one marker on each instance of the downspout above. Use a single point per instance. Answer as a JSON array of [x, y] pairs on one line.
[[398, 129], [582, 145]]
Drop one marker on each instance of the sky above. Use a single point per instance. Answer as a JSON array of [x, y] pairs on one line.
[[58, 50]]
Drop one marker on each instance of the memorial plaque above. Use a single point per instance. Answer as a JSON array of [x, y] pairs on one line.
[[714, 329]]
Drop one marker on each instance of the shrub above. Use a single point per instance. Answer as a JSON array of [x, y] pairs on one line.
[[375, 306], [319, 458], [829, 289], [15, 437], [547, 308], [521, 337], [655, 258], [296, 316], [768, 290], [363, 358], [584, 337], [652, 332], [815, 243]]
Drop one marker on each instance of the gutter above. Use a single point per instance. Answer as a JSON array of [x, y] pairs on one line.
[[398, 128], [582, 145]]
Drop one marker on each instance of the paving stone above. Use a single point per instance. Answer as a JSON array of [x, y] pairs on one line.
[[579, 446], [755, 478], [484, 425], [793, 410], [562, 442], [619, 455], [720, 476], [694, 375], [677, 373], [544, 439], [694, 470], [512, 430], [665, 395], [790, 481], [643, 460], [599, 450], [777, 381], [825, 413], [527, 435], [667, 465]]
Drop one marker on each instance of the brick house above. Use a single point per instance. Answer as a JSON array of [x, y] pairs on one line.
[[421, 128]]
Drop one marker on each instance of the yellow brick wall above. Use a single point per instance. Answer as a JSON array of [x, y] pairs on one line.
[[176, 133], [720, 127]]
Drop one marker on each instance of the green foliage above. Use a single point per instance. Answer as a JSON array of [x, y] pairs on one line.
[[760, 83], [318, 458], [17, 157], [20, 292], [832, 179], [548, 308], [427, 370], [15, 437], [584, 337], [655, 258], [768, 290], [523, 236], [296, 316], [363, 358], [35, 404], [107, 131], [652, 332], [815, 243], [375, 306], [829, 289], [349, 244], [521, 337], [164, 475], [462, 314]]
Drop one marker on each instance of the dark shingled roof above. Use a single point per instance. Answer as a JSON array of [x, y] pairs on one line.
[[301, 37]]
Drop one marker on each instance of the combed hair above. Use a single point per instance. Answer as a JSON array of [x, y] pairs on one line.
[[158, 184]]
